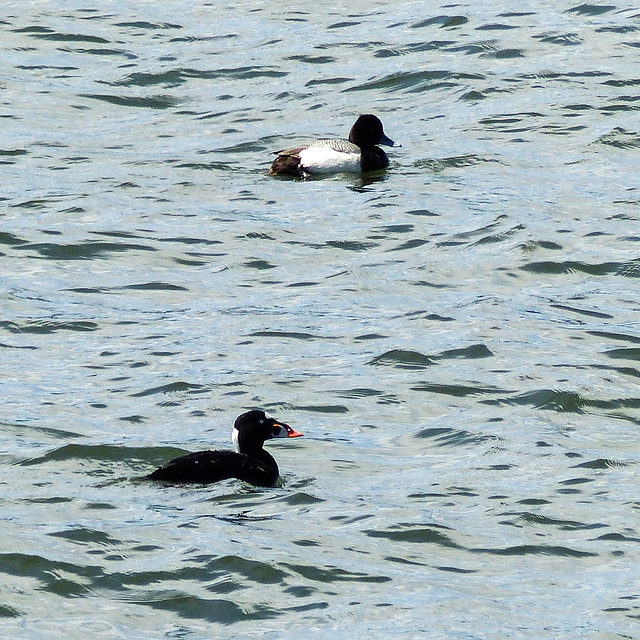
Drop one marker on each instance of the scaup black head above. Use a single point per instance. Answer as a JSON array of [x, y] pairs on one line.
[[367, 132]]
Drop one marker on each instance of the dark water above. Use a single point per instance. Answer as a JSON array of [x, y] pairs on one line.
[[458, 338]]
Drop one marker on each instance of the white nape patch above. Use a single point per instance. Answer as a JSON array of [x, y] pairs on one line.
[[327, 160], [234, 438]]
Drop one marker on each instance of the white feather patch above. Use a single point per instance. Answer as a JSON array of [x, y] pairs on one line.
[[234, 438], [327, 160]]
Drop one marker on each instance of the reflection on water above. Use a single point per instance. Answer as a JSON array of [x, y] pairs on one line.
[[456, 336]]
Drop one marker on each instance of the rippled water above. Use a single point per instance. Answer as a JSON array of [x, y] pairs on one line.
[[457, 337]]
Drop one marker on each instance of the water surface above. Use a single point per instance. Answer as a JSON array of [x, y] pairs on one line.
[[457, 337]]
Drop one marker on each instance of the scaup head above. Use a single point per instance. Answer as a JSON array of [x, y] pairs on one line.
[[367, 132]]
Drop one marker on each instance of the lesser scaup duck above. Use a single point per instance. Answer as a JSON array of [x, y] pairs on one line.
[[250, 462], [359, 153]]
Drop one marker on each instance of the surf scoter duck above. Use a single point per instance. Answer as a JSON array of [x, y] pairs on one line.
[[250, 462], [359, 153]]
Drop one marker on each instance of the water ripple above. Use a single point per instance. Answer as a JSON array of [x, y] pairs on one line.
[[456, 336]]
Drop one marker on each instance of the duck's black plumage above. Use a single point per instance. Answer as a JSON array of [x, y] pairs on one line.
[[250, 463]]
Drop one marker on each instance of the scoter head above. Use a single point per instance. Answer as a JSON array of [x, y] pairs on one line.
[[251, 429], [367, 132]]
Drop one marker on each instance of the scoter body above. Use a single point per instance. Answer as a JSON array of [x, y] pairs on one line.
[[250, 462]]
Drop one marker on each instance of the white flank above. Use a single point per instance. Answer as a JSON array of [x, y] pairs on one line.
[[327, 160], [234, 439]]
